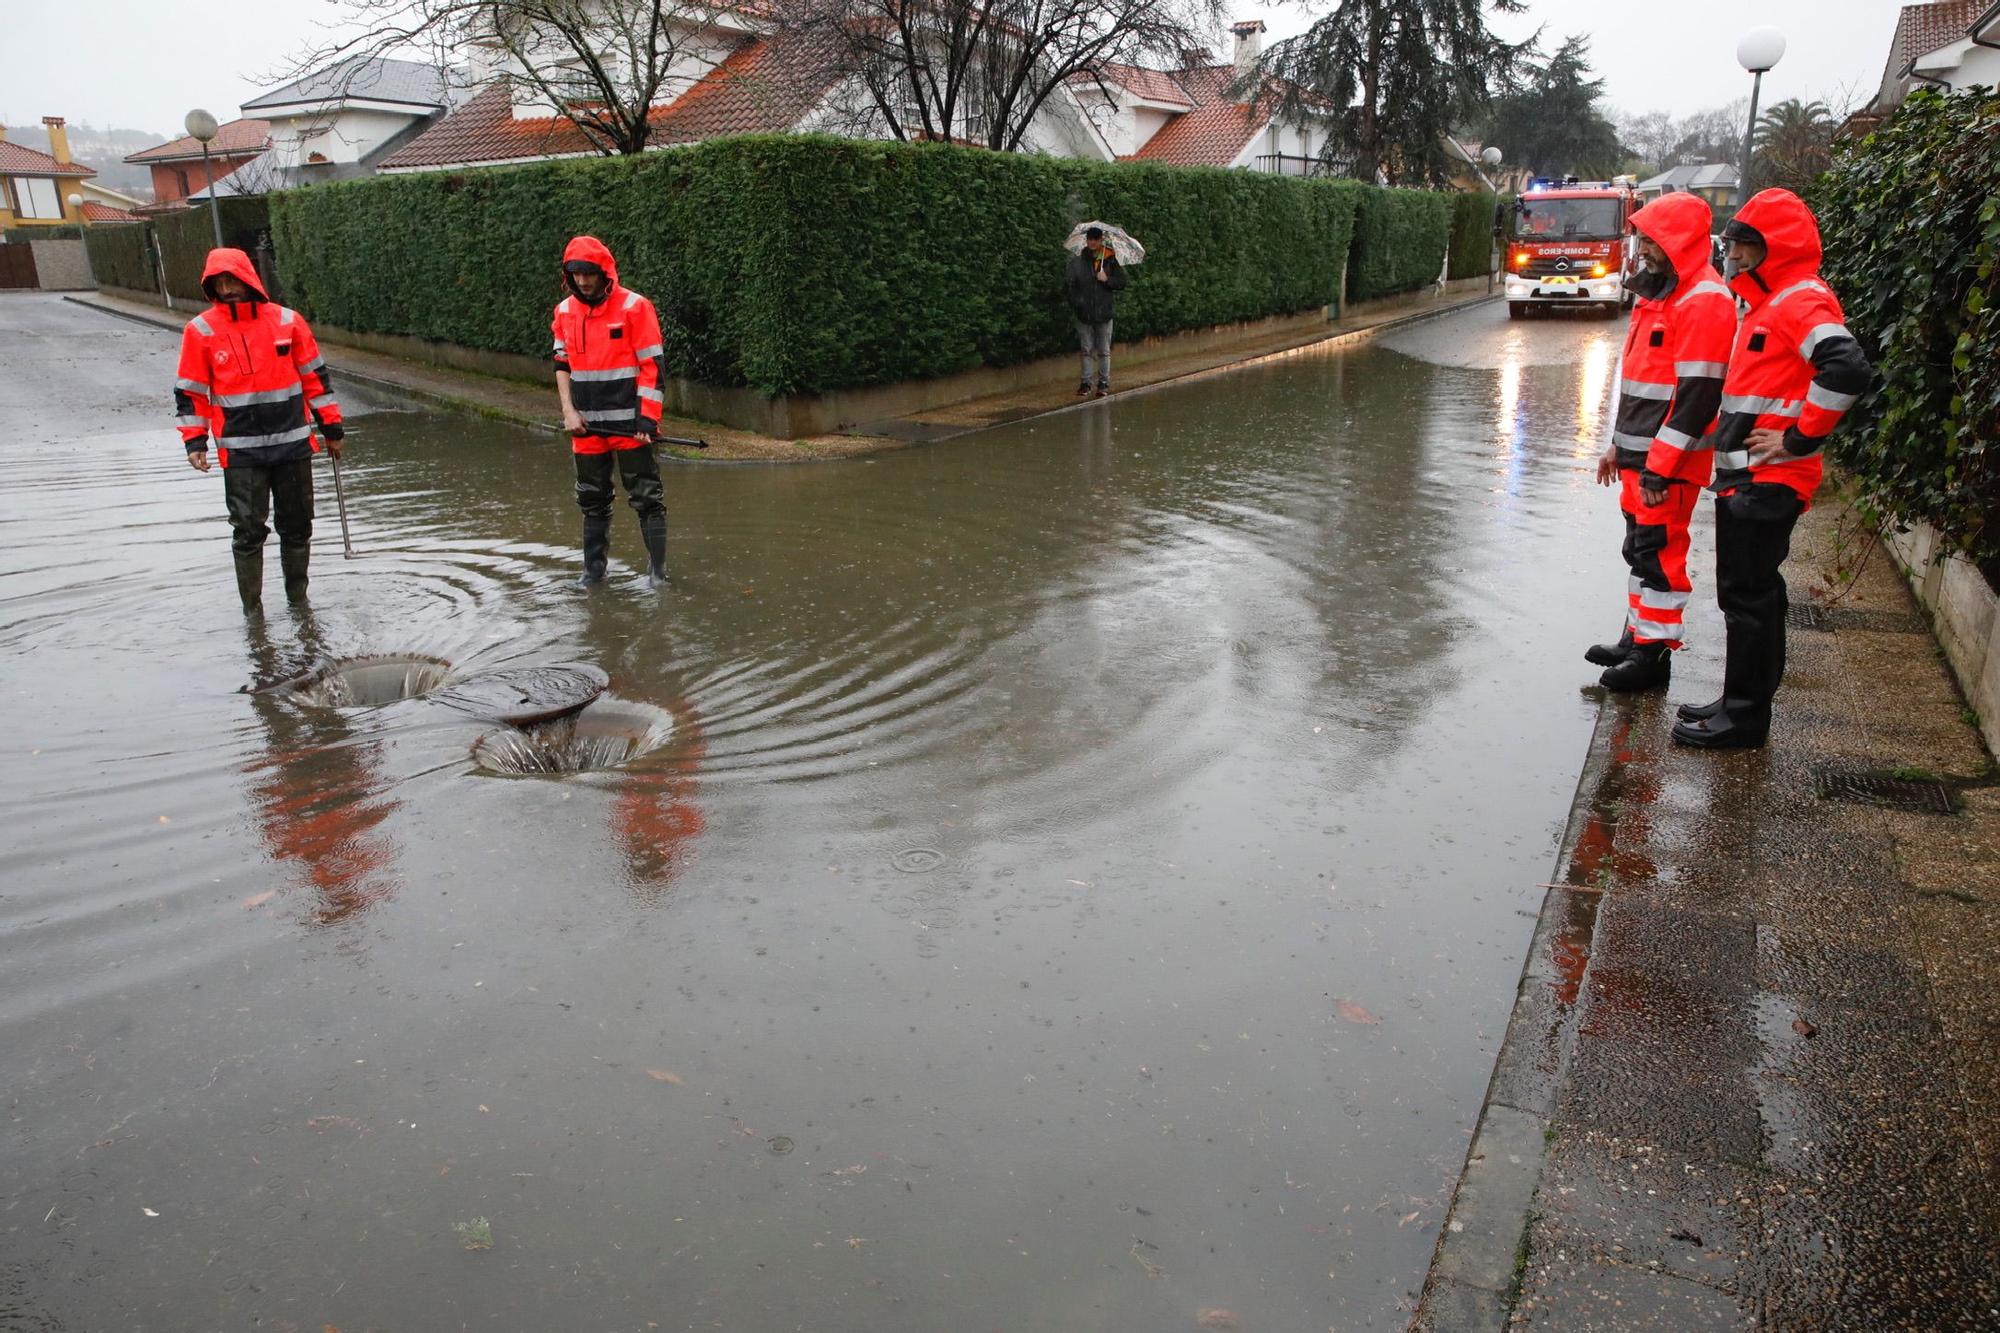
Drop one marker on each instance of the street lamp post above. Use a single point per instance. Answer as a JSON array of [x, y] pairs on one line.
[[203, 127], [1759, 52], [1492, 156], [83, 222]]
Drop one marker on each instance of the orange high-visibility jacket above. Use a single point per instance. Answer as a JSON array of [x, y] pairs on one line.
[[1676, 351], [1795, 366], [614, 355], [250, 375]]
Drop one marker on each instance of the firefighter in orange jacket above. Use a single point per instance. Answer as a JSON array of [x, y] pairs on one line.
[[1794, 371], [610, 369], [1670, 388], [251, 376]]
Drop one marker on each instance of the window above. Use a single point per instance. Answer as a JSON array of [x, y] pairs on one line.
[[37, 197]]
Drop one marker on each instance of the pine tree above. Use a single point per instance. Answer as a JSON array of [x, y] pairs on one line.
[[1552, 124]]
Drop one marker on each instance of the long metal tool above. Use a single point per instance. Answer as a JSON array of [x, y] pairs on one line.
[[340, 497]]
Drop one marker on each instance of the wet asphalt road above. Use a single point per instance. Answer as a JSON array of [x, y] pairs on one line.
[[1083, 885]]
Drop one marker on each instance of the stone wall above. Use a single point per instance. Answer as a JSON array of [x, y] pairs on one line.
[[1965, 613], [61, 266]]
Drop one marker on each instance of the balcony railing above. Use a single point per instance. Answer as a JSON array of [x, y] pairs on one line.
[[1288, 164]]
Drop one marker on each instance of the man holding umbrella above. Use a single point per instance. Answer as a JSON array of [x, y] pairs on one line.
[[1092, 281]]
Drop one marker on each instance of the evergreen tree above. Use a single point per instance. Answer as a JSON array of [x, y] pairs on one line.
[[1794, 144], [1397, 76], [1552, 123]]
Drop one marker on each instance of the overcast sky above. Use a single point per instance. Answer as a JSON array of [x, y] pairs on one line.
[[140, 64]]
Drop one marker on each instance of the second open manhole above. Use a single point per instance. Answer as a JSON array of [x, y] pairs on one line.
[[611, 733]]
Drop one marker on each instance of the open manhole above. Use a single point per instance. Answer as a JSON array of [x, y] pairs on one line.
[[1805, 615], [610, 733], [366, 682], [1927, 795]]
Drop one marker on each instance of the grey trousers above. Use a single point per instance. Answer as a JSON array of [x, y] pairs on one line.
[[1095, 340]]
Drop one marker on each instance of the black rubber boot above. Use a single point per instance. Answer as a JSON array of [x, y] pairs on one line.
[[1610, 654], [250, 581], [654, 531], [596, 550], [293, 560], [1721, 733], [1649, 667], [1700, 712]]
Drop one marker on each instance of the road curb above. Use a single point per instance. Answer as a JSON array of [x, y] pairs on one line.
[[1475, 1271]]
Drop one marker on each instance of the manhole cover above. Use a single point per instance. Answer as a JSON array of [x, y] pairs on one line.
[[1927, 795], [523, 695], [609, 734], [1804, 615]]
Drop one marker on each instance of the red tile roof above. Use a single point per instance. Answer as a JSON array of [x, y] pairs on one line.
[[1217, 130], [765, 85], [238, 138], [96, 212], [1155, 85], [1922, 29], [20, 160]]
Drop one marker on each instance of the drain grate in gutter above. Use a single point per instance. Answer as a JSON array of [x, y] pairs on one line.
[[1927, 795], [1804, 615]]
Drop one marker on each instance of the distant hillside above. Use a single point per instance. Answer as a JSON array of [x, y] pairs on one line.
[[103, 149]]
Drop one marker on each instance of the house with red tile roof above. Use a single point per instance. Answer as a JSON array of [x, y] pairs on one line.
[[179, 169], [754, 80], [1945, 44], [35, 186]]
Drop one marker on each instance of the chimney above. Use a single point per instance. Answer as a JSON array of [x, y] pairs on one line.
[[1249, 45], [58, 139]]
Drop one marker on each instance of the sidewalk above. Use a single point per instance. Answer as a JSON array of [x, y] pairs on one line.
[[1752, 1078], [533, 405]]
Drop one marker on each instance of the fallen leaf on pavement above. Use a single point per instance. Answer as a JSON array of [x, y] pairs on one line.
[[1803, 1028], [1354, 1013], [1217, 1318], [259, 899], [662, 1075]]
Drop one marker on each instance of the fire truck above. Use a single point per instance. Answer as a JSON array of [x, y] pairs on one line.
[[1569, 245]]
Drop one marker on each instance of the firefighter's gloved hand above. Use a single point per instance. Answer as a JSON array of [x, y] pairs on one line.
[[649, 431], [333, 435]]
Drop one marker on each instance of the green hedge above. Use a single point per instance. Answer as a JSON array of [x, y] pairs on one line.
[[1911, 224], [1472, 234], [121, 255], [186, 237], [62, 231], [799, 264], [1399, 242]]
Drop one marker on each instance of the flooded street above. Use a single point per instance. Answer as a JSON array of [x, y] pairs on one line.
[[1079, 877]]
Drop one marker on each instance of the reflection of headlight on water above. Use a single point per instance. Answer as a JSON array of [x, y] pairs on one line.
[[1593, 380]]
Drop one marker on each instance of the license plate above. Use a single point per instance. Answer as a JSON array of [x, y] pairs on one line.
[[1561, 282]]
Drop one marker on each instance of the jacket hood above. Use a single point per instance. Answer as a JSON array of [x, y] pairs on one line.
[[591, 251], [237, 265], [1678, 223], [1791, 243]]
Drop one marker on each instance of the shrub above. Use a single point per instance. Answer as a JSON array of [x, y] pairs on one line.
[[1911, 221], [1400, 238], [800, 264], [1472, 234], [185, 238], [121, 255]]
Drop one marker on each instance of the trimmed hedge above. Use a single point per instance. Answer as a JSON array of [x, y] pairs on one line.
[[1472, 234], [186, 237], [121, 255], [801, 264], [1400, 238], [1911, 225]]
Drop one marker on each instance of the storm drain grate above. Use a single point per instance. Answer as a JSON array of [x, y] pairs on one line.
[[1927, 795], [1804, 615]]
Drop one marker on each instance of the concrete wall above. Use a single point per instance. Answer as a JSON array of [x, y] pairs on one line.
[[61, 266], [1965, 613]]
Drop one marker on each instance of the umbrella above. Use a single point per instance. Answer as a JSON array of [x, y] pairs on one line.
[[1129, 251]]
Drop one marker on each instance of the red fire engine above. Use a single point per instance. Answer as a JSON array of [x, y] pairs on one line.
[[1569, 245]]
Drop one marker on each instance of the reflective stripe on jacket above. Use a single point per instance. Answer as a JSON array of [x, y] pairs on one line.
[[250, 376], [1676, 351], [1795, 367], [613, 352]]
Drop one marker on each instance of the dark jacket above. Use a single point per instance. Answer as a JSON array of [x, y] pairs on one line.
[[1089, 298]]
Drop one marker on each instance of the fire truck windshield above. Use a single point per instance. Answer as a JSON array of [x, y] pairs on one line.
[[1567, 219]]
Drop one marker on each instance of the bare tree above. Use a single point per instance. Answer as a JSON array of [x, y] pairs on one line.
[[604, 65], [983, 72]]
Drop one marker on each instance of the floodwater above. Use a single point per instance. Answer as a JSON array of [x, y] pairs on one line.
[[1082, 884]]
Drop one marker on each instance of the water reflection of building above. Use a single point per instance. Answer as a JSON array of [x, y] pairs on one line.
[[316, 792], [654, 815]]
